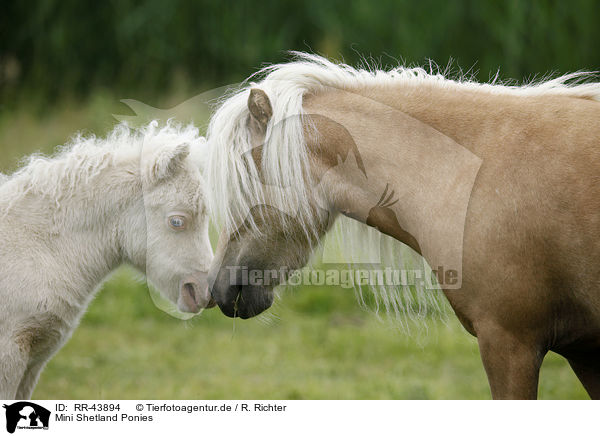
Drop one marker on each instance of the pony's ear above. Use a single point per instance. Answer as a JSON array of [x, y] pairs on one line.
[[168, 161], [260, 106]]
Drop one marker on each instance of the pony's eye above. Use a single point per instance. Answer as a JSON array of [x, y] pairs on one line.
[[177, 222]]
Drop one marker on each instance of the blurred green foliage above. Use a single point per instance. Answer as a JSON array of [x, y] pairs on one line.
[[51, 48]]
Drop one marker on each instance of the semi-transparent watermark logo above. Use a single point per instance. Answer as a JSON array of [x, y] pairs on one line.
[[346, 278], [446, 178]]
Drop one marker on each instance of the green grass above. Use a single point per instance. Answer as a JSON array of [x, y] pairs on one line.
[[316, 343], [126, 348]]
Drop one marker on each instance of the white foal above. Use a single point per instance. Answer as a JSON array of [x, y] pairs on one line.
[[65, 223]]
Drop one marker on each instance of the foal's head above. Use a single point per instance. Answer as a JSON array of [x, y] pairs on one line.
[[168, 234]]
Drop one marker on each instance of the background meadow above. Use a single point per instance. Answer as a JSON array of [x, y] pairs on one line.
[[65, 66]]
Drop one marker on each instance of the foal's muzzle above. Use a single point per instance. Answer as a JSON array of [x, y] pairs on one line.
[[194, 294]]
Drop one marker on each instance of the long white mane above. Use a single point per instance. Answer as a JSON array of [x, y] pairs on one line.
[[233, 176], [235, 183]]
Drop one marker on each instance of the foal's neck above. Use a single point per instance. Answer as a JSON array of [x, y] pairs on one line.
[[81, 225]]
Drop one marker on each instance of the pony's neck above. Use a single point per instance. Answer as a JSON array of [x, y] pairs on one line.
[[400, 175]]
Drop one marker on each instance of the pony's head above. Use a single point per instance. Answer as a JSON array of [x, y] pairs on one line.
[[274, 172], [263, 192], [169, 235]]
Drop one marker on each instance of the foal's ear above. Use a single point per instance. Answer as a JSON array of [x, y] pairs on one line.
[[260, 106], [168, 161]]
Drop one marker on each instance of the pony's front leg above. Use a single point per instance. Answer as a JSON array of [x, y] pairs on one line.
[[512, 364], [587, 368]]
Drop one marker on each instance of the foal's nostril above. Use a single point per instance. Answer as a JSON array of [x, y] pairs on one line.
[[190, 289]]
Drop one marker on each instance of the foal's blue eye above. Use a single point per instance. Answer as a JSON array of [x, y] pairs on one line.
[[177, 222]]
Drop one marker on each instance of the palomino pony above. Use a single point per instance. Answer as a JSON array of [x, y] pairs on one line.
[[497, 186], [135, 197]]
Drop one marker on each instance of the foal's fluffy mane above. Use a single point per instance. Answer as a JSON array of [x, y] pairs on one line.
[[233, 176], [83, 158]]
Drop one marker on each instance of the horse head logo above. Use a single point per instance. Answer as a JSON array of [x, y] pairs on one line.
[[29, 415]]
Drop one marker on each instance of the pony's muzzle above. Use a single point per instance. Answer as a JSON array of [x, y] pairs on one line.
[[194, 294], [243, 301]]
